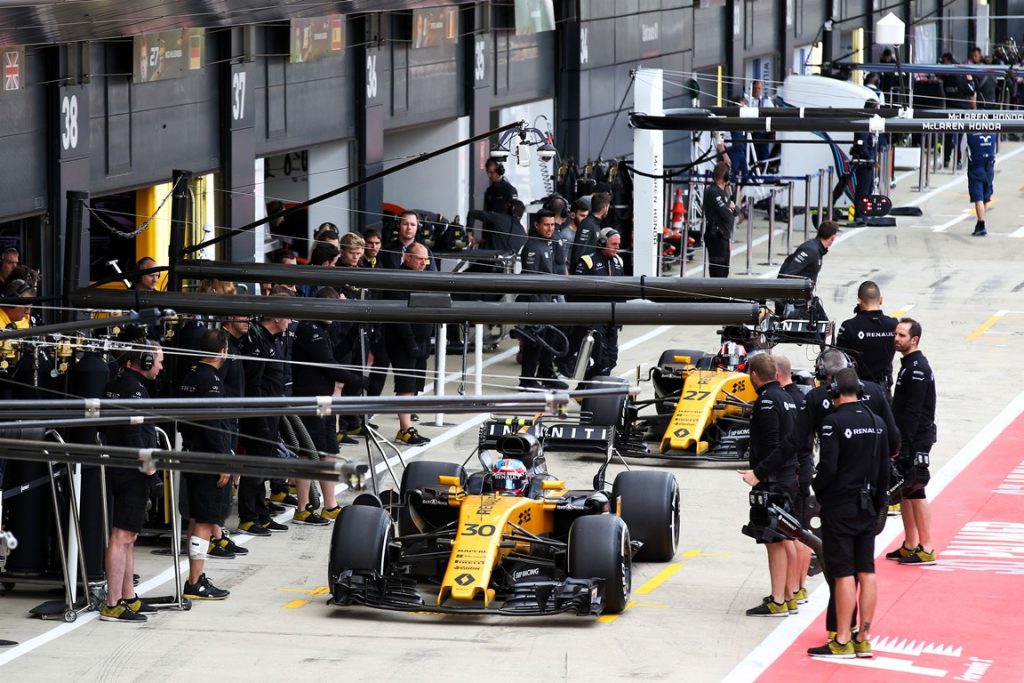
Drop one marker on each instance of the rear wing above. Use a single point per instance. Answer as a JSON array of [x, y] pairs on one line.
[[554, 435]]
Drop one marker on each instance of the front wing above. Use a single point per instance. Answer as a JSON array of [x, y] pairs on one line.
[[582, 597]]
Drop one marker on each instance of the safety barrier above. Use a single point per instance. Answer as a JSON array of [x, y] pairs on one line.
[[774, 184]]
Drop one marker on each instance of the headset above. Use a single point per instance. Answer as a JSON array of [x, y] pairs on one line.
[[550, 199], [499, 167], [325, 229], [143, 358], [832, 389], [16, 288], [605, 235], [819, 364]]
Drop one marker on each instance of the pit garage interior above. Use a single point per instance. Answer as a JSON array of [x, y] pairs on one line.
[[265, 117]]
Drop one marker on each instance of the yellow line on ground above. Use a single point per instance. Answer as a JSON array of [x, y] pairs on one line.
[[659, 578], [700, 553], [900, 312], [609, 618], [985, 326], [319, 590], [295, 604]]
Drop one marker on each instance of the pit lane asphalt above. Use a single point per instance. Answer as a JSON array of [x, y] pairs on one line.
[[690, 624]]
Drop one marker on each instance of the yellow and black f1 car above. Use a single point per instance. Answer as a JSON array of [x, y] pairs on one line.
[[511, 539], [701, 401], [703, 405]]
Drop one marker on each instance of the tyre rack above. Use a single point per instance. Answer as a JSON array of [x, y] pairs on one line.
[[70, 550]]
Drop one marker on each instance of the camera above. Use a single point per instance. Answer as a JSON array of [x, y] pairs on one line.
[[770, 521], [915, 472]]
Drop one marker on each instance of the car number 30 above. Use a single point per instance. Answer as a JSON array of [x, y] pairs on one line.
[[472, 529]]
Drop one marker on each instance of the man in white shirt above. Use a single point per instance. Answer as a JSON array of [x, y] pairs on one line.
[[762, 141]]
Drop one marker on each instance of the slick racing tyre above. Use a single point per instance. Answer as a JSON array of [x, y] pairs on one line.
[[359, 541], [607, 411], [649, 505], [599, 549], [420, 475]]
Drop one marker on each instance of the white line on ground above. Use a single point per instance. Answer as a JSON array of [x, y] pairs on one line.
[[779, 640], [1019, 232], [471, 369], [902, 176], [949, 224]]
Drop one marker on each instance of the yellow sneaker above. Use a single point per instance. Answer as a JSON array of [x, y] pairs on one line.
[[862, 648], [411, 437], [919, 556], [309, 517], [285, 499], [898, 554], [769, 609], [833, 650], [331, 513], [801, 596]]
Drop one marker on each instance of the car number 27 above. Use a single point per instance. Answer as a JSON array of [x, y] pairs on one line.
[[471, 529]]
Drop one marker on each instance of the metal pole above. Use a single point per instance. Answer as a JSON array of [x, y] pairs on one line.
[[923, 163], [172, 482], [74, 549], [478, 359], [593, 288], [885, 187], [659, 256], [750, 233], [789, 223], [929, 152], [933, 139], [180, 207], [441, 348], [821, 196], [69, 588], [771, 223], [77, 571], [685, 239], [704, 242], [807, 206], [828, 194], [75, 496]]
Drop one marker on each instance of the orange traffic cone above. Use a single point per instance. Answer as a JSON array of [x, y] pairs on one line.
[[678, 210]]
